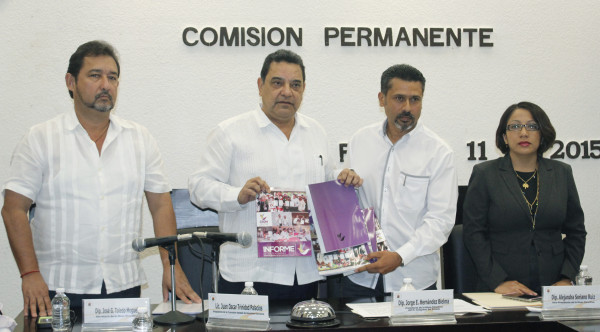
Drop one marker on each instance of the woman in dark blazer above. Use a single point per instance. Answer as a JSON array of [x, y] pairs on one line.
[[518, 207]]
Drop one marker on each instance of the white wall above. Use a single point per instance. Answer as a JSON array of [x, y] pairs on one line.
[[544, 51]]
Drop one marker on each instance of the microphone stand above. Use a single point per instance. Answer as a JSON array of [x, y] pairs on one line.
[[215, 274], [215, 266], [173, 317]]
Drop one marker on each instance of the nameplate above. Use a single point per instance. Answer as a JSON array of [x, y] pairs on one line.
[[423, 302], [109, 311], [570, 297], [239, 307]]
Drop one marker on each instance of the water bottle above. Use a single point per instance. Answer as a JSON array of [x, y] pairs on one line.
[[583, 278], [142, 322], [249, 288], [407, 285], [61, 311]]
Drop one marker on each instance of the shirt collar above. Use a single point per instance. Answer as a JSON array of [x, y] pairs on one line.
[[263, 121], [71, 122]]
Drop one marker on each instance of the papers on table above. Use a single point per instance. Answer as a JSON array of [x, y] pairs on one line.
[[190, 309], [384, 309], [371, 310], [462, 307], [495, 301]]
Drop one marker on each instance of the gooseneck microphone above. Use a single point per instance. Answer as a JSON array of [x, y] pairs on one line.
[[244, 238], [140, 244]]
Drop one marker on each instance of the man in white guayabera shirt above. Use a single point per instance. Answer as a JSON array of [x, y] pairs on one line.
[[276, 146], [87, 171], [410, 181]]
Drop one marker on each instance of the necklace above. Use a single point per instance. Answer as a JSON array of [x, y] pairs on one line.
[[525, 185], [535, 202], [104, 131]]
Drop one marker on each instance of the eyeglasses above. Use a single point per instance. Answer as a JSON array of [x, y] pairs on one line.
[[518, 126]]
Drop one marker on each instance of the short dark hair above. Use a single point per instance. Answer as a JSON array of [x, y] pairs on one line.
[[547, 132], [279, 56], [92, 48], [404, 72]]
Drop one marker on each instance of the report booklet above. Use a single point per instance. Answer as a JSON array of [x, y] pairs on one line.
[[282, 224], [336, 215], [346, 260]]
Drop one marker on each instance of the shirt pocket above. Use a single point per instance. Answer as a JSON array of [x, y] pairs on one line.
[[412, 192]]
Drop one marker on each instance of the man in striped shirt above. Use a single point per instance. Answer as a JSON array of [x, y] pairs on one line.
[[87, 170]]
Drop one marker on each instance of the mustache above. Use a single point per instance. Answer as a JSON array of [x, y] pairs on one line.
[[405, 114], [103, 93]]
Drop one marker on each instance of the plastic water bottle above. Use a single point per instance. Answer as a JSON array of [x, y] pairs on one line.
[[583, 278], [407, 285], [249, 288], [61, 311], [142, 322]]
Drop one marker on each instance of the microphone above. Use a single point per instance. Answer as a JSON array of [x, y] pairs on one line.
[[244, 238], [140, 244]]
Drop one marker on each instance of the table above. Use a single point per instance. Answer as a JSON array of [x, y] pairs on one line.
[[518, 320]]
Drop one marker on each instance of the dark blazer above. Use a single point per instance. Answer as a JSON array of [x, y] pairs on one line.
[[498, 227]]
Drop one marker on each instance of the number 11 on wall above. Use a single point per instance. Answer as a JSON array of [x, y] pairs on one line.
[[481, 146]]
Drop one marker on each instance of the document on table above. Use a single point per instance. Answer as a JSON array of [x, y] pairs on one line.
[[190, 309], [371, 310], [495, 301], [462, 307], [384, 309]]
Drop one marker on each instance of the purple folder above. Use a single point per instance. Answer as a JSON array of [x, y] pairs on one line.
[[337, 216]]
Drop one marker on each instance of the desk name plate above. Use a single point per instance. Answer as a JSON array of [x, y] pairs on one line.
[[570, 297], [423, 307], [233, 306], [423, 302], [110, 311]]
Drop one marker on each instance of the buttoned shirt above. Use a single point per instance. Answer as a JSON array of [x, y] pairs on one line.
[[413, 188], [88, 206], [244, 147]]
